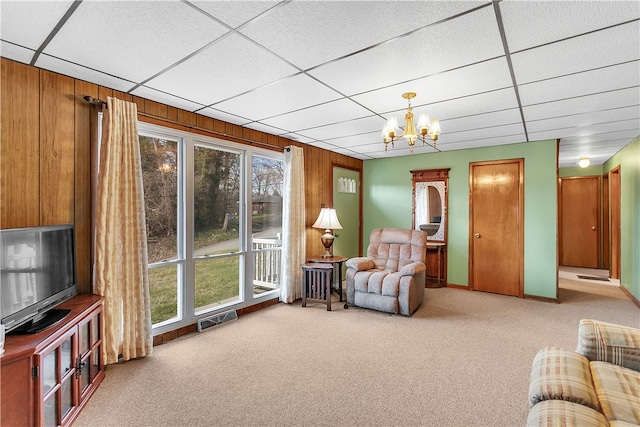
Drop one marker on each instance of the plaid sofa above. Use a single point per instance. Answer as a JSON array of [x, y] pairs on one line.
[[597, 385]]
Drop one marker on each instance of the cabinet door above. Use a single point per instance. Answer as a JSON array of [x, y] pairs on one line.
[[90, 352], [56, 389]]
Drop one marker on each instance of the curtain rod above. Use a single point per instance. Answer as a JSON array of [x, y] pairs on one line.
[[98, 103]]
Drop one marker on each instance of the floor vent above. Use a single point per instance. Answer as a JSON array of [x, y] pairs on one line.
[[216, 319]]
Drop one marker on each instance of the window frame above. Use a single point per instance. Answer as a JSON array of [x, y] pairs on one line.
[[187, 141]]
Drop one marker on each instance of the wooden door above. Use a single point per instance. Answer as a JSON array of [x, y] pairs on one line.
[[496, 239], [579, 221], [614, 193]]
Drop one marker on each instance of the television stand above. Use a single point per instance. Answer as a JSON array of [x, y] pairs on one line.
[[39, 324], [47, 378]]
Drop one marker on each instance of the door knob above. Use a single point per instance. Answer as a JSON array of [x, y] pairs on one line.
[[477, 235], [593, 227]]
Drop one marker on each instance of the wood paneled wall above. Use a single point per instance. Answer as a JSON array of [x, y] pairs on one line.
[[45, 153]]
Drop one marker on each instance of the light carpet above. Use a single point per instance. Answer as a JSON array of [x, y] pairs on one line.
[[463, 359]]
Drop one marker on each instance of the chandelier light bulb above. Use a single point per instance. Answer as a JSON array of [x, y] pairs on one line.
[[426, 126]]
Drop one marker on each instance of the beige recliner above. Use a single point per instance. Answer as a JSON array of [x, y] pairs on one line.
[[391, 277]]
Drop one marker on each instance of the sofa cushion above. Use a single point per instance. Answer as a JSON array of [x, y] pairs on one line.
[[561, 375], [563, 413], [377, 302], [608, 342], [618, 390]]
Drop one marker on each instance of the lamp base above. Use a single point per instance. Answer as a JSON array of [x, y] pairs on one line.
[[327, 242]]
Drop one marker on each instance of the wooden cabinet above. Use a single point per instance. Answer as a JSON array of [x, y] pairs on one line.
[[48, 377], [429, 213]]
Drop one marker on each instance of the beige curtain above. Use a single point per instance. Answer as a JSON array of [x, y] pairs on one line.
[[293, 225], [120, 263]]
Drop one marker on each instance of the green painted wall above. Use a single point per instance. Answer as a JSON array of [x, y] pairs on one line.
[[593, 170], [387, 203], [629, 160]]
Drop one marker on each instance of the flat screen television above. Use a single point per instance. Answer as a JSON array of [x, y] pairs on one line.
[[37, 272]]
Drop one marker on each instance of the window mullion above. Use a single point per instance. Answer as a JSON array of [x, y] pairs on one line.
[[187, 225]]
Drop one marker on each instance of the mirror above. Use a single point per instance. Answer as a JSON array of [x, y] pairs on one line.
[[430, 203]]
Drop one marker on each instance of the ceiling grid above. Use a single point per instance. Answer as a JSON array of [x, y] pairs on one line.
[[329, 73]]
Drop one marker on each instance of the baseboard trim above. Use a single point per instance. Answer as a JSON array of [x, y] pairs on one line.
[[165, 337], [454, 286], [630, 296], [542, 299]]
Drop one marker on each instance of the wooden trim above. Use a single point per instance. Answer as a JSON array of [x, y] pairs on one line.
[[454, 286], [360, 206], [615, 219], [557, 217], [630, 296], [542, 299], [167, 336]]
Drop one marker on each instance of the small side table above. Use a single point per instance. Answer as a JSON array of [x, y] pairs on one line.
[[316, 283], [336, 261]]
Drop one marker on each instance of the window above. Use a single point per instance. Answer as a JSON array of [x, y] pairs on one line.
[[214, 219]]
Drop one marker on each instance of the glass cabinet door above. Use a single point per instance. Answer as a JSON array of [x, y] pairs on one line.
[[90, 342], [57, 371]]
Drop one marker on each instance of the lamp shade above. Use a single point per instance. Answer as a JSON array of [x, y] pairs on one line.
[[328, 220]]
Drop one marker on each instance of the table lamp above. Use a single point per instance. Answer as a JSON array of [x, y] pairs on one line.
[[328, 220]]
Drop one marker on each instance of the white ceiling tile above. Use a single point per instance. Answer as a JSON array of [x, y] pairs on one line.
[[479, 121], [590, 129], [547, 21], [235, 13], [589, 82], [331, 112], [350, 153], [264, 128], [165, 98], [298, 137], [344, 26], [477, 143], [474, 79], [473, 37], [498, 100], [353, 127], [627, 135], [486, 133], [359, 141], [221, 115], [63, 67], [290, 94], [134, 39], [323, 145], [574, 120], [28, 23], [15, 52], [229, 67], [585, 104], [578, 54]]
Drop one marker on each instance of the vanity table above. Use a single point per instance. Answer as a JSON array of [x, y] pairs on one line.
[[429, 213]]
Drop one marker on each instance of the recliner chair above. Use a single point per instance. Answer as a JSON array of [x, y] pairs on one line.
[[391, 277]]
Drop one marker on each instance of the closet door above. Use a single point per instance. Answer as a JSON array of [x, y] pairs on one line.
[[579, 221], [496, 241]]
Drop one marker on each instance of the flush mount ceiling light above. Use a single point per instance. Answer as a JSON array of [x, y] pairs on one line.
[[426, 126], [584, 162]]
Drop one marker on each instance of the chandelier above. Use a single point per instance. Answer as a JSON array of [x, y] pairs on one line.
[[426, 126]]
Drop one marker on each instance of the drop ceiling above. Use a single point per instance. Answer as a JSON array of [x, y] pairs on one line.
[[329, 73]]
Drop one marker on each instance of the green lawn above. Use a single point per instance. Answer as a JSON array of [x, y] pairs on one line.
[[216, 279]]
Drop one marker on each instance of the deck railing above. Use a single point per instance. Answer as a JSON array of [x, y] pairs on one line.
[[267, 254]]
